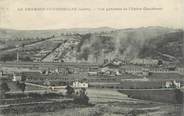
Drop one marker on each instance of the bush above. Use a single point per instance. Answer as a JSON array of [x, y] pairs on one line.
[[21, 85], [3, 89], [82, 98]]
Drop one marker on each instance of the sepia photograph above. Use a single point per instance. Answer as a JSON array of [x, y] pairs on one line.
[[91, 58]]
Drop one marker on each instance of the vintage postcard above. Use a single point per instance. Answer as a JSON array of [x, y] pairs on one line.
[[91, 57]]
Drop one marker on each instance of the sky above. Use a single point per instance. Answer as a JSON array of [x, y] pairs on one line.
[[90, 14]]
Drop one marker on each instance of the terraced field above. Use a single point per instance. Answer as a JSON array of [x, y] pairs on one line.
[[109, 102]]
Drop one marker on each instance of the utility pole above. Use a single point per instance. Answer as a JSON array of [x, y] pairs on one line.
[[17, 47]]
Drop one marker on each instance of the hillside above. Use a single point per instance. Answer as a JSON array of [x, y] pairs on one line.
[[151, 42], [96, 44], [168, 47]]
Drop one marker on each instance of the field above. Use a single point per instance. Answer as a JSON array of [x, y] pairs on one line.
[[174, 96], [109, 102]]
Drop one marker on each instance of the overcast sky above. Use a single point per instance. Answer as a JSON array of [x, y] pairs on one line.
[[170, 13]]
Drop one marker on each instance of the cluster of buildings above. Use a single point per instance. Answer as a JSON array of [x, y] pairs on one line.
[[138, 61]]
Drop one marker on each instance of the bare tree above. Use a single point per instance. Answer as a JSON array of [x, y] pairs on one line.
[[69, 90], [21, 86]]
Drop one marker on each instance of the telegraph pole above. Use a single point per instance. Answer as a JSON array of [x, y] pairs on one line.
[[17, 47]]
